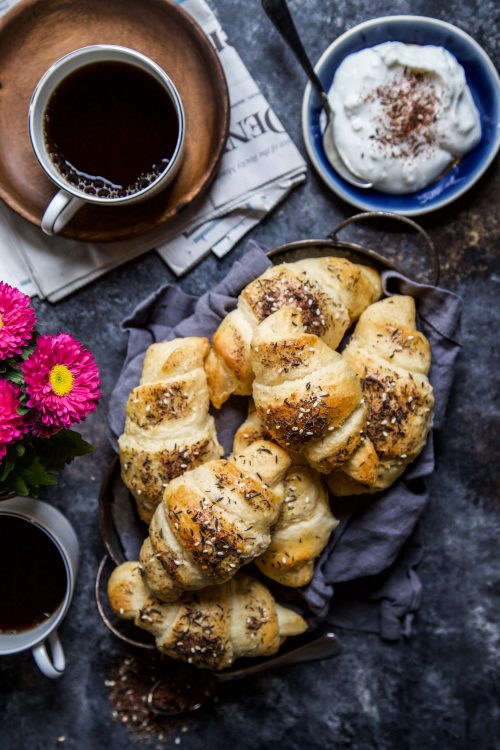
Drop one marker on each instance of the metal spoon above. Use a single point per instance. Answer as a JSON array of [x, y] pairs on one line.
[[187, 695], [279, 13]]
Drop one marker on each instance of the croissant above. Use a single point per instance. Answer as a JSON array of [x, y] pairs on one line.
[[330, 292], [168, 429], [302, 530], [252, 434], [214, 519], [392, 359], [305, 521], [307, 395], [209, 628]]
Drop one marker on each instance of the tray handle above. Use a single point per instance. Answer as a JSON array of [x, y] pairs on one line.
[[436, 266], [103, 615]]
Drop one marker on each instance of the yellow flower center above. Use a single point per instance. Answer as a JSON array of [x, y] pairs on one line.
[[1, 321], [61, 380]]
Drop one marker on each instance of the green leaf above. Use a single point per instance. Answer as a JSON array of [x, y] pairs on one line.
[[20, 486], [15, 376], [35, 462], [22, 410], [61, 449], [6, 467], [35, 474], [28, 351], [24, 472]]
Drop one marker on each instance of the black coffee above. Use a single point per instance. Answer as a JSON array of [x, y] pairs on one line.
[[111, 129], [33, 577]]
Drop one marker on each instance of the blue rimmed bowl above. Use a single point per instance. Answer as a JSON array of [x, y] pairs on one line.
[[483, 81]]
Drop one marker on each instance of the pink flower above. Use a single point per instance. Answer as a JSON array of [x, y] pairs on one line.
[[17, 320], [12, 426], [37, 429], [62, 381]]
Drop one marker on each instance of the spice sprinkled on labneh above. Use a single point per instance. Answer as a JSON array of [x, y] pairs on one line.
[[409, 107], [403, 114]]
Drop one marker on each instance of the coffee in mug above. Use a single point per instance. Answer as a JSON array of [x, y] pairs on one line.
[[107, 126], [33, 580], [110, 129], [38, 568]]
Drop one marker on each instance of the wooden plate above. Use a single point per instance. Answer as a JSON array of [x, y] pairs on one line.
[[38, 32]]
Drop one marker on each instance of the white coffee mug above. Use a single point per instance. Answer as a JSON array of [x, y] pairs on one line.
[[70, 199], [59, 530]]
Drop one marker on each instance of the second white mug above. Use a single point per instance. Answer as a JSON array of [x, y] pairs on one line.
[[43, 639]]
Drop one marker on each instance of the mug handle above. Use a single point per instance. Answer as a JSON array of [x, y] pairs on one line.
[[52, 668], [60, 210]]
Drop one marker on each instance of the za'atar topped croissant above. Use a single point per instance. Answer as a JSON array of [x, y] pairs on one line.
[[307, 395], [302, 530], [214, 519], [392, 359], [331, 293], [168, 428], [305, 521], [209, 628]]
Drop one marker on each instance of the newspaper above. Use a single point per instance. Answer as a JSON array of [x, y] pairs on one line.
[[259, 168]]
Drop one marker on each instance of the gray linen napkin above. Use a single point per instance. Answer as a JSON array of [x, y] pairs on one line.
[[365, 579]]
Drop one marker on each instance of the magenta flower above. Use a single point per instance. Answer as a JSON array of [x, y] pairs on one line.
[[36, 428], [62, 381], [17, 320], [12, 426]]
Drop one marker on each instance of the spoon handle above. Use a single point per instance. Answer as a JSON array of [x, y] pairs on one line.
[[323, 647], [279, 13]]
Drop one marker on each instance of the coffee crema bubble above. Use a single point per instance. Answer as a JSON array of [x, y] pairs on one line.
[[99, 185], [110, 129]]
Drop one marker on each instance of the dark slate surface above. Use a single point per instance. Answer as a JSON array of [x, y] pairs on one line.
[[441, 688]]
